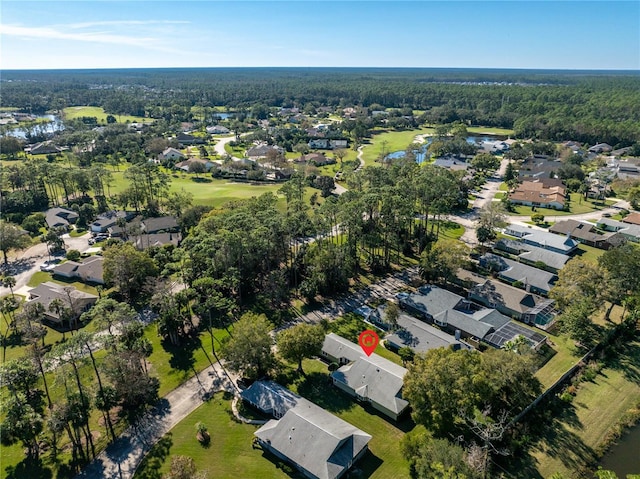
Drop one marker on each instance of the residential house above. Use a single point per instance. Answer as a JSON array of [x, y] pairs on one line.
[[184, 139], [587, 233], [186, 164], [44, 148], [60, 217], [452, 163], [88, 270], [144, 241], [629, 231], [317, 159], [514, 302], [633, 218], [171, 154], [319, 444], [160, 224], [327, 144], [270, 398], [419, 336], [532, 279], [539, 193], [543, 239], [538, 167], [106, 220], [600, 148], [430, 301], [375, 380], [263, 151], [532, 255], [77, 301], [337, 349], [218, 130]]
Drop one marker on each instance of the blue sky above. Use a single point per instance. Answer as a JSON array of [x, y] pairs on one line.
[[463, 34]]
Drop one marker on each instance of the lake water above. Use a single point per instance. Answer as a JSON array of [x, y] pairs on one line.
[[423, 150], [54, 124], [222, 116], [624, 457]]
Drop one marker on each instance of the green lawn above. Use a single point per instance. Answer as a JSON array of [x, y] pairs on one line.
[[390, 141], [582, 426], [578, 205], [566, 355], [589, 253], [503, 187], [230, 454], [74, 112]]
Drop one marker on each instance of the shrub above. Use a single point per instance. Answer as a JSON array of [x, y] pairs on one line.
[[73, 255]]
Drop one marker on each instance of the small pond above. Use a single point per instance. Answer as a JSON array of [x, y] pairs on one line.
[[54, 124], [624, 457], [423, 150]]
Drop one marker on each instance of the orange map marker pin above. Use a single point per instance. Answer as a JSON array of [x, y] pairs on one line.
[[368, 341]]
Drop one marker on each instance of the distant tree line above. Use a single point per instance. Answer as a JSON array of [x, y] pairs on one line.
[[584, 106]]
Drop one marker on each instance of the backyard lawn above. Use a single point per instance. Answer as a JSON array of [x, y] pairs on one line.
[[230, 454], [578, 205], [582, 426]]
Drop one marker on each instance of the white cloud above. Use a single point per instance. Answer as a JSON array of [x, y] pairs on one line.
[[125, 23], [51, 33]]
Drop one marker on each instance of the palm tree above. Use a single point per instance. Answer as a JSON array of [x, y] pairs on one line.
[[9, 282], [57, 306]]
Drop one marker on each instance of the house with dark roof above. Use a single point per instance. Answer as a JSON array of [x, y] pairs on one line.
[[60, 217], [145, 241], [45, 293], [532, 279], [185, 165], [186, 139], [538, 167], [263, 150], [430, 301], [88, 270], [44, 148], [319, 444], [543, 239], [106, 220], [587, 233], [159, 224], [600, 148], [419, 336]]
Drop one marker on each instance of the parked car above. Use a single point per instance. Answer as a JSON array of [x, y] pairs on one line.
[[91, 241]]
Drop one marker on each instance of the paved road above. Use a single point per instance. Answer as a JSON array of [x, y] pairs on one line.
[[219, 146], [27, 262]]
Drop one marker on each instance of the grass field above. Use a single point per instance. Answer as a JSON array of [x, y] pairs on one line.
[[582, 426], [390, 141], [73, 112], [578, 205], [230, 454]]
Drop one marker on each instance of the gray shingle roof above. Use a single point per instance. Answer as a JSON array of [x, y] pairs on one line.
[[533, 253], [431, 300], [339, 347], [60, 217], [270, 398], [376, 379], [543, 239], [314, 439], [514, 271], [464, 322], [161, 223], [418, 335], [495, 292]]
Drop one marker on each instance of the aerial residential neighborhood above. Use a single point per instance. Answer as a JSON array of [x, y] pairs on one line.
[[280, 240]]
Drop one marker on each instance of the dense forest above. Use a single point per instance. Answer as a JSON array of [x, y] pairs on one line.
[[555, 105]]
